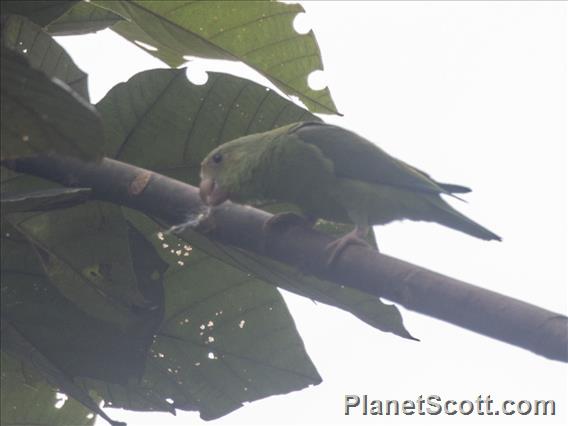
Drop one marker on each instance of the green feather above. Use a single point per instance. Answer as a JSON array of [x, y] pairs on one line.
[[356, 158]]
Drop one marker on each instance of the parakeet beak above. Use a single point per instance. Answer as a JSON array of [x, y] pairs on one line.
[[211, 193]]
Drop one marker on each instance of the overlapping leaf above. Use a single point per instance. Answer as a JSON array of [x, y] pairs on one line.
[[372, 310], [227, 338], [30, 374], [43, 52], [80, 343], [25, 401], [83, 18], [85, 252], [42, 12], [41, 114], [60, 340], [259, 34]]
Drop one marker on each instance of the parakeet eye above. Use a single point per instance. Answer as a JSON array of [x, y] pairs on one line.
[[217, 158]]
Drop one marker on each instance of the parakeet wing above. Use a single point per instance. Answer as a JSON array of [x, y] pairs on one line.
[[354, 157], [449, 187]]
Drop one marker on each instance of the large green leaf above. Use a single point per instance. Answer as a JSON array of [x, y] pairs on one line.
[[43, 52], [227, 338], [42, 12], [85, 252], [262, 356], [223, 342], [43, 114], [372, 310], [24, 401], [38, 372], [159, 120], [83, 18], [45, 329], [78, 343], [257, 33]]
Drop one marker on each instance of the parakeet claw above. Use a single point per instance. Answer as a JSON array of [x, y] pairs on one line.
[[355, 237]]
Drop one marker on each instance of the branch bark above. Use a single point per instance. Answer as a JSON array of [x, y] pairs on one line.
[[482, 311]]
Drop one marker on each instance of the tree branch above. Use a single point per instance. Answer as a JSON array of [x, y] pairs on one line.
[[416, 288]]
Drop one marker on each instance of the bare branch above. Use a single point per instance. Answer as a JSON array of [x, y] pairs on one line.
[[416, 288]]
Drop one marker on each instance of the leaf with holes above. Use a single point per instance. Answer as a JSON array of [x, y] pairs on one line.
[[227, 338], [372, 310], [161, 121], [260, 34]]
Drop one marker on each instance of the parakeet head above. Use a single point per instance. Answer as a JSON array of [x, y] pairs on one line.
[[227, 171]]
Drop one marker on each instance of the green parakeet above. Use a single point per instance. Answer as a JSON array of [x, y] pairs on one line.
[[329, 173]]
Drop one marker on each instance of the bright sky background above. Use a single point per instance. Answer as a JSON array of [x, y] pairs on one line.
[[473, 93]]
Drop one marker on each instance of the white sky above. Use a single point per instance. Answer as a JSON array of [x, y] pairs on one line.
[[473, 93]]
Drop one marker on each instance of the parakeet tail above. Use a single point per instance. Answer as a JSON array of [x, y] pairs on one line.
[[454, 189], [446, 215]]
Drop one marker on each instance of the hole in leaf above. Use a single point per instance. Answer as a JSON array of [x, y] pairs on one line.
[[316, 80], [302, 23], [197, 76], [61, 398]]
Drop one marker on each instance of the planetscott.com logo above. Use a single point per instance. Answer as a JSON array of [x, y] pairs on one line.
[[434, 405]]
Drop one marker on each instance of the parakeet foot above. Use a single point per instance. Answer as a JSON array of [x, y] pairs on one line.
[[355, 237]]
